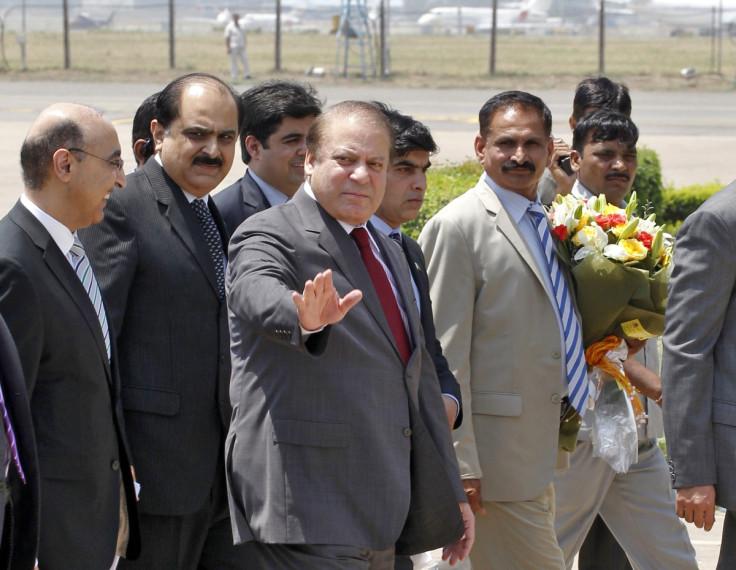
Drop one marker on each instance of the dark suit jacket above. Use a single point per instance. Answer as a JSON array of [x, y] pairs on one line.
[[158, 280], [240, 201], [448, 384], [333, 440], [20, 548], [74, 399]]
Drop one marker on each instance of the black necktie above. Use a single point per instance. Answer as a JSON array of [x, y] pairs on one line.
[[214, 241]]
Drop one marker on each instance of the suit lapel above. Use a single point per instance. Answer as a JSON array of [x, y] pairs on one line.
[[64, 274], [508, 228], [183, 220], [335, 241], [253, 198]]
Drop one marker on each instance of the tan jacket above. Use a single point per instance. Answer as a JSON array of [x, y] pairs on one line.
[[501, 338]]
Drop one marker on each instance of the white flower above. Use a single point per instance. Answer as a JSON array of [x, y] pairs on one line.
[[615, 251], [591, 239]]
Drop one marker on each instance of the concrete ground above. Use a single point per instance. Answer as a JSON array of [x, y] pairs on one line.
[[693, 132], [706, 545]]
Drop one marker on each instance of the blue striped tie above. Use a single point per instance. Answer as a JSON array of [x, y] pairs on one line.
[[87, 277], [577, 378]]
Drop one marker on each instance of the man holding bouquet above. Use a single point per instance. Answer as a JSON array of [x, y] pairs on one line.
[[497, 314], [637, 506]]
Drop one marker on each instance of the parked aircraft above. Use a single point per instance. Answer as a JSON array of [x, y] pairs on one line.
[[262, 21], [685, 14], [84, 21], [461, 19]]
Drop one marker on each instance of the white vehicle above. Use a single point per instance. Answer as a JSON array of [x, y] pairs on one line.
[[262, 21], [685, 14], [462, 19]]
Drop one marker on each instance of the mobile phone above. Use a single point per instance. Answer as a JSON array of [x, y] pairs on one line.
[[564, 164]]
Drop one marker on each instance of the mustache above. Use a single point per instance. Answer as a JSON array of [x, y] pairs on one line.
[[621, 175], [511, 164], [207, 160]]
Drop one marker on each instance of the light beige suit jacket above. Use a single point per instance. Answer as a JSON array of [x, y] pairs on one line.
[[502, 341]]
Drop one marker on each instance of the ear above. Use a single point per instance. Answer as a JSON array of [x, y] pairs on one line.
[[63, 164], [480, 148], [572, 122], [138, 151], [550, 150], [158, 131], [575, 160], [253, 146], [308, 164]]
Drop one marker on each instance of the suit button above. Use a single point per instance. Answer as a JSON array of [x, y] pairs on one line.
[[407, 432], [556, 398], [556, 353], [115, 465]]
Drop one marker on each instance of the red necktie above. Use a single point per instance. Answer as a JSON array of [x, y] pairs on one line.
[[385, 293]]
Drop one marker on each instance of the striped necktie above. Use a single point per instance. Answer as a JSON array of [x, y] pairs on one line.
[[577, 379], [87, 277], [11, 438]]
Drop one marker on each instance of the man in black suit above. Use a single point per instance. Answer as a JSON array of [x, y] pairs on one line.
[[50, 301], [19, 508], [406, 183], [276, 117], [159, 256]]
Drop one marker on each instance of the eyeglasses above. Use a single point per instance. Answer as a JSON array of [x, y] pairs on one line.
[[117, 163]]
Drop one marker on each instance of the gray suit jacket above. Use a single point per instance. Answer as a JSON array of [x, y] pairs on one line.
[[239, 201], [699, 360], [499, 332], [158, 281], [332, 440]]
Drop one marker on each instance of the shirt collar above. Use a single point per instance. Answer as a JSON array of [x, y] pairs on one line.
[[514, 203], [383, 227], [580, 191], [62, 235], [272, 194]]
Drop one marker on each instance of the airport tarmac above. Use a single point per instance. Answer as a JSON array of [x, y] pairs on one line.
[[693, 132]]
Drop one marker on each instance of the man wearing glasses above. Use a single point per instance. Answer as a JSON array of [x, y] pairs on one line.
[[50, 300]]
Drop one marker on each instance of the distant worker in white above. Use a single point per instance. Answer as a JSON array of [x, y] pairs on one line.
[[235, 43]]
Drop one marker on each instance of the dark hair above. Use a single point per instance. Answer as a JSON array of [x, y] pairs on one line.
[[600, 93], [604, 125], [344, 110], [36, 154], [265, 105], [142, 125], [507, 99], [169, 99], [410, 134]]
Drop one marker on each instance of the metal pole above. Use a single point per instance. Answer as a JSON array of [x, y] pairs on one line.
[[382, 36], [67, 58], [494, 10], [712, 39], [277, 47], [602, 39], [172, 39], [720, 35], [22, 39]]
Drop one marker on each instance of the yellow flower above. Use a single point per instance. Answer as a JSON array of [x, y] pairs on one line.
[[611, 209], [634, 249], [582, 223]]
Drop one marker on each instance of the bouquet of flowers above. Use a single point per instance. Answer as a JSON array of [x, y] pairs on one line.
[[620, 264]]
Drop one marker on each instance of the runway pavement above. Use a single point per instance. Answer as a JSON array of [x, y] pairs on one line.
[[693, 132]]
